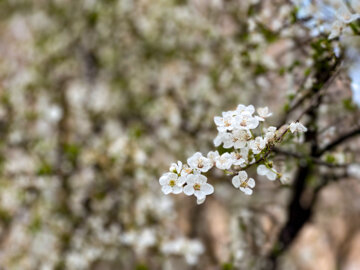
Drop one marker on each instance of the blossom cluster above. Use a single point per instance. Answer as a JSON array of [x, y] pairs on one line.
[[244, 142], [189, 248], [329, 16]]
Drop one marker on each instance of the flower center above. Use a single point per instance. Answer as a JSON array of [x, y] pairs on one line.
[[172, 183], [196, 187], [188, 170], [244, 184], [200, 163]]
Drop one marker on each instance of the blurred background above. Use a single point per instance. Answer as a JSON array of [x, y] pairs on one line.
[[97, 98]]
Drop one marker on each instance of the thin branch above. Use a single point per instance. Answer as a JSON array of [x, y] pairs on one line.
[[311, 94], [313, 159], [339, 140]]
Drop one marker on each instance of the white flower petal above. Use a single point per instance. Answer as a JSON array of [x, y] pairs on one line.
[[271, 175], [200, 201], [163, 180], [218, 120], [251, 183], [177, 189], [166, 189], [207, 189], [243, 176], [202, 179], [181, 180], [190, 179], [247, 191], [189, 190], [199, 194], [262, 170], [250, 109], [217, 140], [236, 181]]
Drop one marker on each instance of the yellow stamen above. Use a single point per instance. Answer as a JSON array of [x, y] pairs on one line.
[[172, 183]]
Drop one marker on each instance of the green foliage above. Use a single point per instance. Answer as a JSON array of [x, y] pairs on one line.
[[349, 105], [35, 225], [45, 169], [5, 217], [141, 267], [72, 151], [330, 158], [270, 36], [228, 266]]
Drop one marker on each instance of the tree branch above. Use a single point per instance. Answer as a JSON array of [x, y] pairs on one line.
[[313, 159], [338, 141]]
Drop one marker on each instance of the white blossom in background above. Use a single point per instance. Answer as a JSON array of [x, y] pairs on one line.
[[271, 174], [263, 113], [333, 17], [243, 108], [190, 249], [297, 127], [270, 133], [246, 143], [140, 240], [354, 70], [354, 170]]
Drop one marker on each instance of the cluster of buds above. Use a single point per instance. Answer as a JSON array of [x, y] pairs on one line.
[[245, 142]]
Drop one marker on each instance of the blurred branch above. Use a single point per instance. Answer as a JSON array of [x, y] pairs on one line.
[[309, 158], [313, 94], [339, 140]]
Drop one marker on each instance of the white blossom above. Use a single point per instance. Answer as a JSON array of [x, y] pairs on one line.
[[186, 170], [257, 145], [297, 127], [197, 185], [190, 249], [263, 113], [225, 122], [242, 108], [213, 156], [354, 170], [244, 183], [224, 138], [336, 29], [245, 120], [271, 174], [240, 137], [224, 161], [199, 162], [240, 158], [176, 167], [171, 183], [270, 133]]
